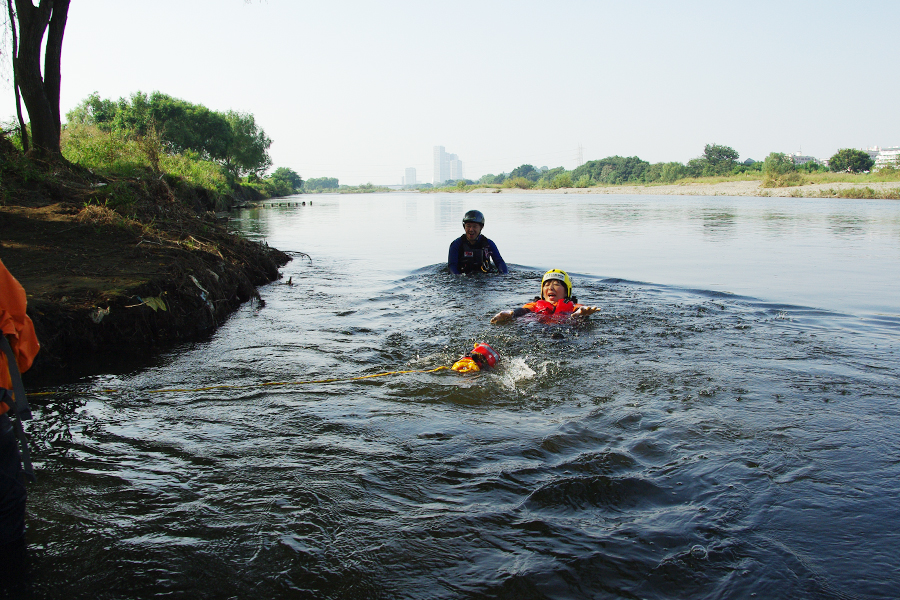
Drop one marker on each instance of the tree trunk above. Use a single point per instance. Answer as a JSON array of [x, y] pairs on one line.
[[23, 132], [41, 94]]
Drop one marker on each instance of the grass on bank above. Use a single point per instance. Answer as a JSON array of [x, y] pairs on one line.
[[120, 155], [117, 155]]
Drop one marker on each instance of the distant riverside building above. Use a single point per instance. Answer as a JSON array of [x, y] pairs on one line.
[[410, 177], [456, 171], [885, 157], [800, 159], [446, 166]]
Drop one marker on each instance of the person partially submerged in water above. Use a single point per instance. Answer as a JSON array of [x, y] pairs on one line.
[[556, 301]]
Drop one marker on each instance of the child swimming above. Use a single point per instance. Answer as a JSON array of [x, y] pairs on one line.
[[556, 301]]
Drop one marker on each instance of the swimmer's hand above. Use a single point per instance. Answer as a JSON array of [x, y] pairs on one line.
[[502, 317], [585, 311]]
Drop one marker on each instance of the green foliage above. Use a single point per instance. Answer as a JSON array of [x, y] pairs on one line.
[[562, 180], [321, 184], [613, 170], [777, 164], [493, 179], [112, 152], [248, 148], [672, 171], [716, 160], [518, 182], [286, 179], [811, 167], [525, 171], [115, 154], [779, 171], [584, 181], [850, 160], [364, 188], [721, 158], [176, 126]]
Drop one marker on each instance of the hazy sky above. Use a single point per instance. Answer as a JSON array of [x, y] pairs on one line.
[[361, 90]]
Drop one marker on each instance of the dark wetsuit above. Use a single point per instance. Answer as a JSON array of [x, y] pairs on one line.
[[473, 258]]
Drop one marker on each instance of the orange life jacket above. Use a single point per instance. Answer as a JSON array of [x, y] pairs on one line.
[[18, 328], [543, 307], [547, 312]]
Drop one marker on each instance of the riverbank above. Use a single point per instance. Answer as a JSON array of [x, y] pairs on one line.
[[107, 284], [725, 188]]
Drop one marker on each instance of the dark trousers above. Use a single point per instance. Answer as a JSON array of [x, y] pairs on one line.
[[13, 577]]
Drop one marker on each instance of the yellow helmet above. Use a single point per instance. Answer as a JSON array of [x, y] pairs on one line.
[[560, 275]]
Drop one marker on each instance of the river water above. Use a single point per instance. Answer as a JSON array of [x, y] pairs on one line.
[[726, 426]]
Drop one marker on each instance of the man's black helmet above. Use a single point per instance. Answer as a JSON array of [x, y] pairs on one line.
[[474, 216]]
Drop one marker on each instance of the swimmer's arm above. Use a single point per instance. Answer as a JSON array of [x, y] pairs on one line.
[[584, 311], [508, 315]]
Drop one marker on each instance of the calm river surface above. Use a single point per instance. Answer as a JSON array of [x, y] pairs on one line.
[[726, 427]]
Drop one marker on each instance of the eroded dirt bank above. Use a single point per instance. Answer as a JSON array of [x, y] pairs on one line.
[[103, 284]]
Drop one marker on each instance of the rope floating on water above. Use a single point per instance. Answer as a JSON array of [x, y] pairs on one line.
[[268, 384]]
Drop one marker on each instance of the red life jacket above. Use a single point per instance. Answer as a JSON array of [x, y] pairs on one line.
[[542, 307]]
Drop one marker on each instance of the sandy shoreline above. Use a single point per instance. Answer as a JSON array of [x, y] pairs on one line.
[[727, 188]]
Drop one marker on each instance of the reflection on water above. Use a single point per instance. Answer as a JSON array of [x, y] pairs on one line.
[[718, 222], [716, 445], [848, 224]]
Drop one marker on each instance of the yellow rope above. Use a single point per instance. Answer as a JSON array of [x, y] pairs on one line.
[[271, 383]]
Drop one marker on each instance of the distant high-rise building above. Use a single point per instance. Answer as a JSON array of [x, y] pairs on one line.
[[410, 178], [446, 166], [456, 170]]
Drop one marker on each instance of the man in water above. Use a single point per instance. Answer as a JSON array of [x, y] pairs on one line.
[[472, 252]]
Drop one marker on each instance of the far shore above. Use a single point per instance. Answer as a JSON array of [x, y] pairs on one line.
[[725, 188]]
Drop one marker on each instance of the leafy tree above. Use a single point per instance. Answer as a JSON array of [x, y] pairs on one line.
[[248, 150], [562, 180], [231, 139], [613, 169], [321, 183], [288, 177], [526, 171], [93, 110], [780, 171], [777, 164], [848, 159], [39, 91], [720, 158], [672, 171], [716, 160], [495, 179]]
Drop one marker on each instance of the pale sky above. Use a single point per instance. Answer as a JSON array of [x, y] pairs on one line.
[[361, 90]]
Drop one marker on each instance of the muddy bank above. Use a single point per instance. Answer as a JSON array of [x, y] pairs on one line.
[[108, 284]]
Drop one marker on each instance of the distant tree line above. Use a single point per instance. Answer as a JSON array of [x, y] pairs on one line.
[[321, 184], [716, 160]]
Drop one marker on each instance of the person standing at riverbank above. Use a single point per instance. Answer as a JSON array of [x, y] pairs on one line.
[[473, 252], [20, 339]]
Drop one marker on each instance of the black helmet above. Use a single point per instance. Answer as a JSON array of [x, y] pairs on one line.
[[474, 216]]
